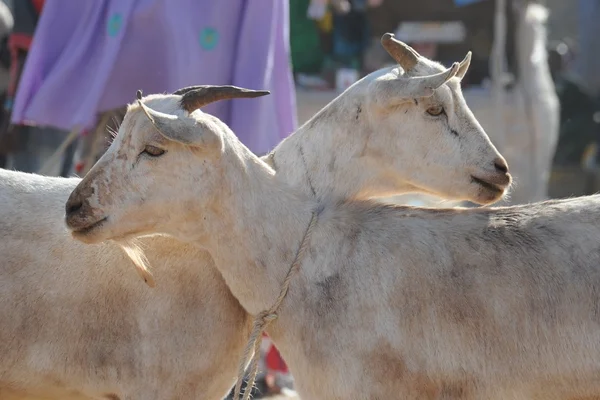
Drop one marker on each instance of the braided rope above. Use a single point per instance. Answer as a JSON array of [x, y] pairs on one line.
[[264, 318]]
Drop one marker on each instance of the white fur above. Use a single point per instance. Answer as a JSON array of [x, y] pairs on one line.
[[390, 302], [77, 320]]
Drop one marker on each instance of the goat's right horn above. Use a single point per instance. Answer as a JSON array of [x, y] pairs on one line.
[[195, 97], [186, 89], [404, 55]]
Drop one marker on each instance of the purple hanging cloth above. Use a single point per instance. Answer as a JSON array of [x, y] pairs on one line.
[[92, 56]]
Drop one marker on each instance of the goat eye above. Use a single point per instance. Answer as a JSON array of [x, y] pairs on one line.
[[153, 151], [435, 111]]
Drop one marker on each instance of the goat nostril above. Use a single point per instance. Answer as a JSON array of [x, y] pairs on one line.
[[500, 165], [73, 205]]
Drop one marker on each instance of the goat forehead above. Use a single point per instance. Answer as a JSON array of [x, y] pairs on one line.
[[136, 129], [124, 137], [443, 95]]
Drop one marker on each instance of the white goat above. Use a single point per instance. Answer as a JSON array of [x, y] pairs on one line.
[[390, 302], [77, 323], [528, 139]]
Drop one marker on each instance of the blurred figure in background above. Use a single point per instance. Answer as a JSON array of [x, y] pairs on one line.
[[579, 91], [25, 147], [588, 61], [89, 58]]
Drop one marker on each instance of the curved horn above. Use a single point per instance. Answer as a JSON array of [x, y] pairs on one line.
[[404, 55], [464, 66], [186, 89], [193, 99]]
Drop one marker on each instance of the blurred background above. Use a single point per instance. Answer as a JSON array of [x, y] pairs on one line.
[[69, 67]]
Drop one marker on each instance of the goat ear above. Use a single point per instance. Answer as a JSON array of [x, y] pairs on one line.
[[184, 130], [464, 66], [391, 92]]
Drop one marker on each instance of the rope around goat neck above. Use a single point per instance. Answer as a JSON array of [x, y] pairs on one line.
[[264, 318]]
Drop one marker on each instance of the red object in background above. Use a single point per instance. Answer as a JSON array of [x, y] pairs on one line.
[[274, 361], [38, 4]]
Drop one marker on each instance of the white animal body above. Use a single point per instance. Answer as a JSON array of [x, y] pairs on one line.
[[78, 322], [389, 301]]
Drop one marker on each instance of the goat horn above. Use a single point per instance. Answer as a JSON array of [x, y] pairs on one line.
[[464, 66], [186, 89], [195, 97], [404, 55], [467, 59]]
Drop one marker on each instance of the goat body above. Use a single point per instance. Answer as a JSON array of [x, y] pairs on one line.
[[402, 302], [78, 323], [389, 301], [81, 323]]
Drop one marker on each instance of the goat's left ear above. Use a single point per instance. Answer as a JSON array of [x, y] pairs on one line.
[[396, 91], [183, 129], [464, 66]]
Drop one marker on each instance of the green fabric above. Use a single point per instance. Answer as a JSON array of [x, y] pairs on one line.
[[305, 42]]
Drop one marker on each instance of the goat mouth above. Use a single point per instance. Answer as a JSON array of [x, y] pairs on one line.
[[87, 229], [487, 185]]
